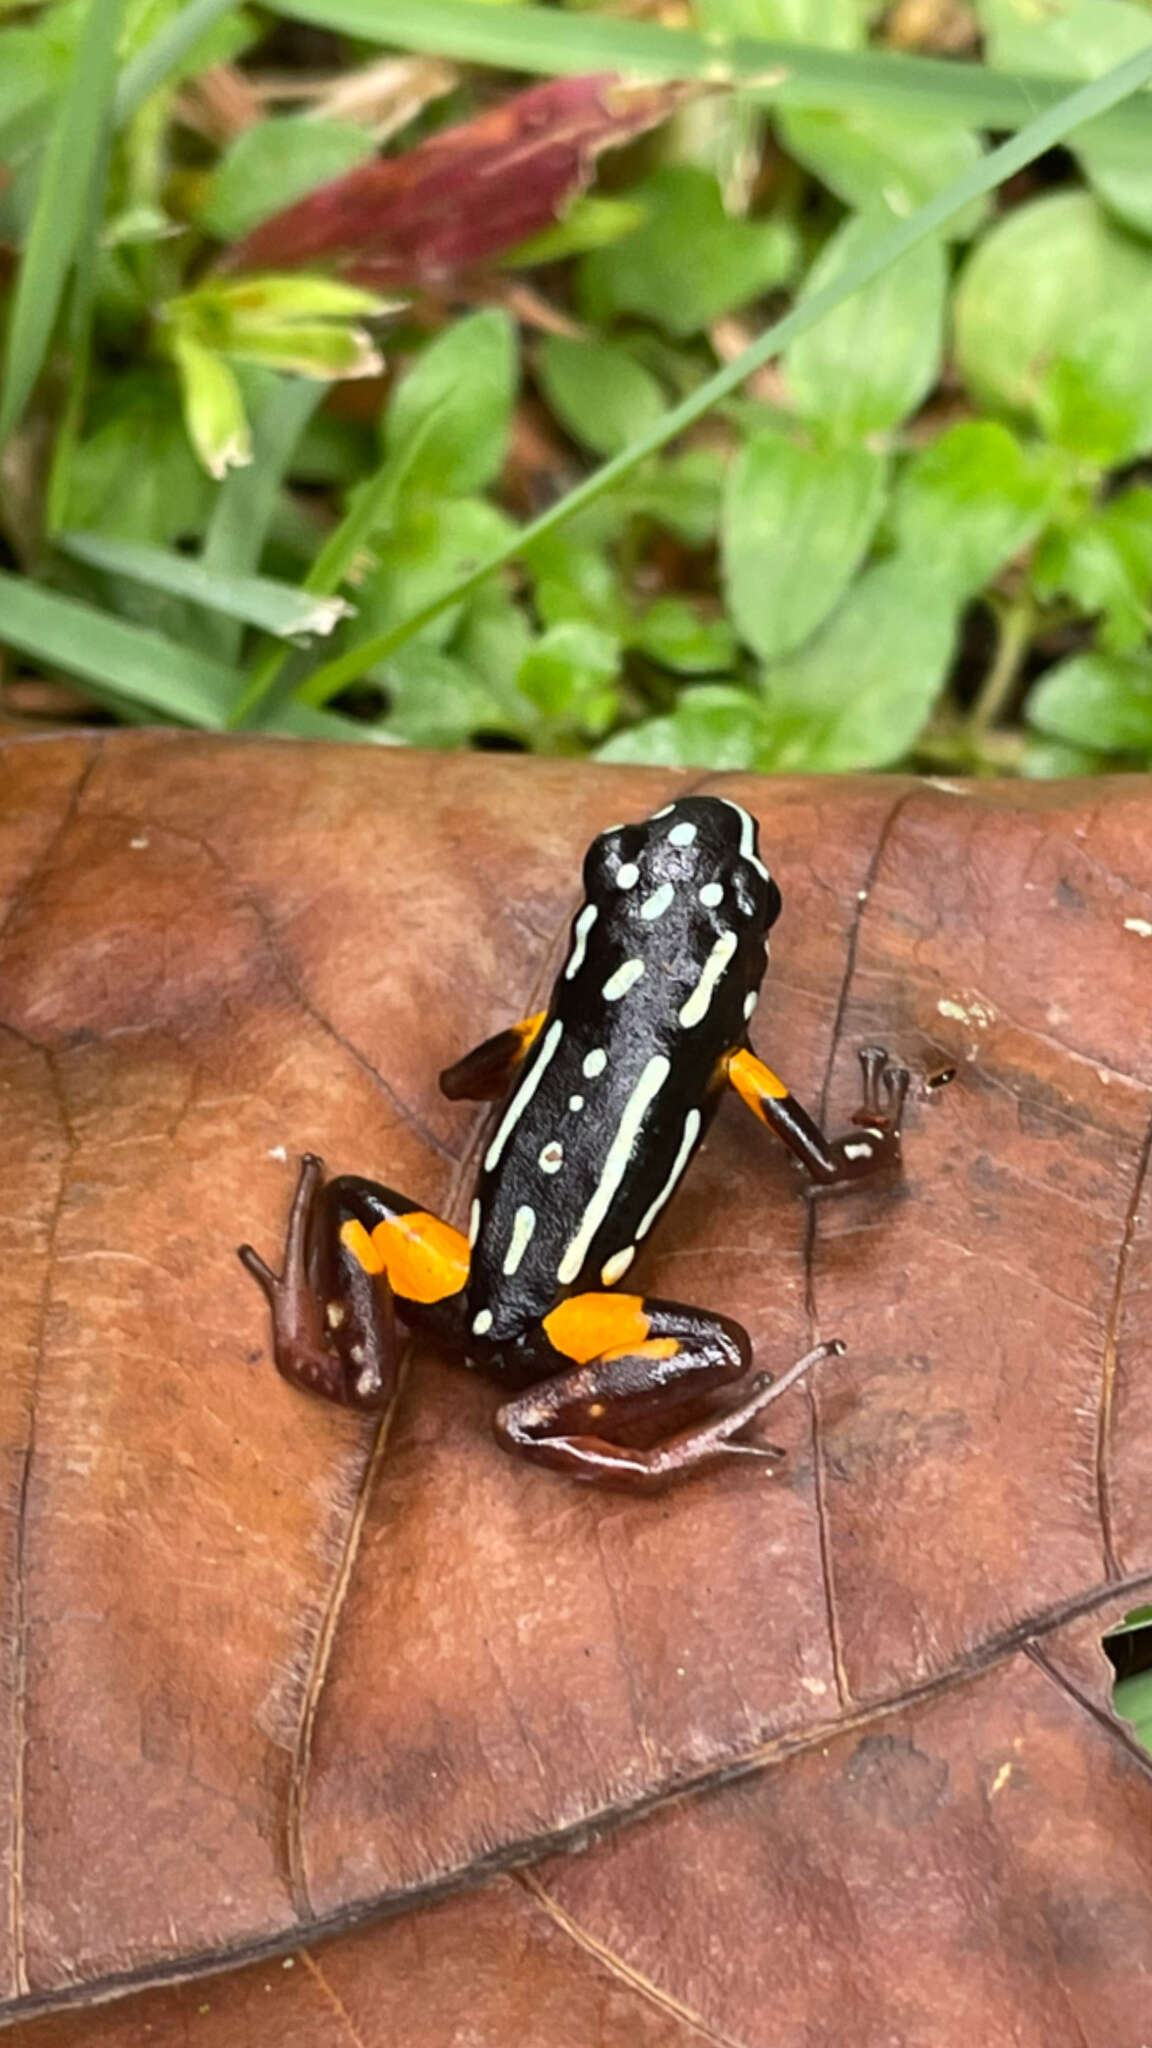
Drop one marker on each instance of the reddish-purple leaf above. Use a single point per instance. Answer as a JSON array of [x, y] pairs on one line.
[[465, 196]]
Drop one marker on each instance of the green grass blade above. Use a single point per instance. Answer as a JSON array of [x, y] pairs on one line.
[[1048, 129], [168, 48], [553, 42], [255, 600], [63, 201], [246, 501], [126, 661]]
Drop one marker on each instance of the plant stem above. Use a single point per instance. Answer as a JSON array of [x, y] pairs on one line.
[[1015, 624]]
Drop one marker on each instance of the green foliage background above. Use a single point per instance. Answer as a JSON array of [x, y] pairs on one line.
[[913, 531]]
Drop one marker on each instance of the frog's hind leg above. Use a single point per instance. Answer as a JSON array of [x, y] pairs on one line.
[[356, 1255], [486, 1073], [638, 1361]]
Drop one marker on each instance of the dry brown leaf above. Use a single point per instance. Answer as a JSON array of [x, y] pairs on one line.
[[270, 1673]]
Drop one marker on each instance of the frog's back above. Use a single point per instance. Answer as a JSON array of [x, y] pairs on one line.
[[664, 966]]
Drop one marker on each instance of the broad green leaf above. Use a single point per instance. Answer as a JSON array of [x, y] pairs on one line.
[[425, 553], [135, 665], [969, 502], [690, 261], [574, 579], [674, 634], [871, 161], [1132, 1701], [1054, 760], [592, 222], [570, 675], [797, 524], [136, 475], [274, 163], [1104, 562], [446, 429], [1081, 39], [435, 701], [714, 725], [256, 600], [73, 169], [1096, 400], [1102, 701], [598, 391], [835, 24], [858, 695], [1027, 343], [866, 366], [681, 492], [213, 407]]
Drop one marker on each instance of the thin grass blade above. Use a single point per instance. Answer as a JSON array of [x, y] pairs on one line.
[[74, 160], [254, 600]]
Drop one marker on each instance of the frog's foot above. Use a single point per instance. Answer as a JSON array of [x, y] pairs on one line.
[[884, 1092], [333, 1327]]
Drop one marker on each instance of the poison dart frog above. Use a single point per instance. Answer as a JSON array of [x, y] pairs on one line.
[[608, 1093]]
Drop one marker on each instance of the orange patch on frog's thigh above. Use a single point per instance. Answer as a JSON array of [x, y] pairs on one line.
[[753, 1082], [654, 1347], [425, 1259], [587, 1325]]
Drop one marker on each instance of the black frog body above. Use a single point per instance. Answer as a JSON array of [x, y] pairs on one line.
[[605, 1097]]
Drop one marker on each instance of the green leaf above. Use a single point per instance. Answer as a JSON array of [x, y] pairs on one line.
[[797, 524], [968, 503], [570, 675], [591, 222], [127, 661], [136, 474], [1132, 1702], [870, 363], [1140, 1618], [1102, 701], [1028, 345], [858, 695], [673, 633], [1104, 562], [272, 164], [871, 161], [256, 600], [213, 407], [435, 701], [74, 167], [1081, 39], [714, 725], [573, 579], [598, 391], [426, 552], [691, 261], [1054, 760], [682, 492], [447, 427]]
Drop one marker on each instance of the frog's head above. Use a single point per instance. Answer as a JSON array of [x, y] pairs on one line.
[[701, 849]]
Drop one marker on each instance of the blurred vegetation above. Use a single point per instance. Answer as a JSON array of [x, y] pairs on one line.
[[915, 531]]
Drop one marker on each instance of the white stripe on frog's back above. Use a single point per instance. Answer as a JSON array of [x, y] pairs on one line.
[[690, 1134], [583, 926], [616, 1165], [699, 1001], [523, 1096], [747, 838]]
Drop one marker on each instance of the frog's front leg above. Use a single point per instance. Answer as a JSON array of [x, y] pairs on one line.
[[638, 1361], [356, 1254], [871, 1146]]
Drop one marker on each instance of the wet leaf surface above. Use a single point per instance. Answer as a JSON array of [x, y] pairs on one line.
[[272, 1671]]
